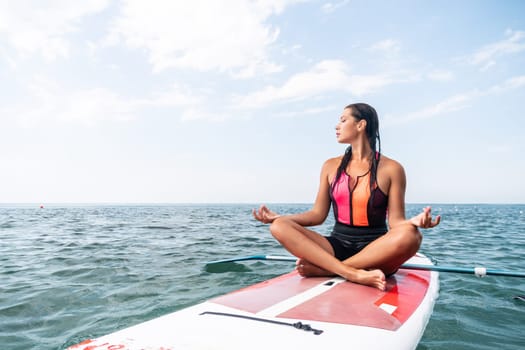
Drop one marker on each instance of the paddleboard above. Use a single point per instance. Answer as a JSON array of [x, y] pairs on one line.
[[292, 312]]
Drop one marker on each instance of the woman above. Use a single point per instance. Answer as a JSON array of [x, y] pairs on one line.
[[361, 185]]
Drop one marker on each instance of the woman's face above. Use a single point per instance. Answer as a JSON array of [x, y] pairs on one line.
[[348, 127]]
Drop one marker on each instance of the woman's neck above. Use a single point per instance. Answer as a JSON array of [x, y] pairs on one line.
[[361, 152]]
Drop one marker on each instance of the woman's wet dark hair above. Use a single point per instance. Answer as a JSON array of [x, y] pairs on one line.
[[364, 111]]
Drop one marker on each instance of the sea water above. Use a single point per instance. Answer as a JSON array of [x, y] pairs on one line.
[[71, 272]]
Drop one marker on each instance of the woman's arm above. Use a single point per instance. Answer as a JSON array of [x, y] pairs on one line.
[[315, 216], [396, 192], [396, 202]]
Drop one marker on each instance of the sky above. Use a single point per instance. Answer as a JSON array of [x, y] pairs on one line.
[[236, 101]]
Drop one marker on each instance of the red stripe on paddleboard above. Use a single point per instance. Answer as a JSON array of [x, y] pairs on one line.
[[350, 303], [346, 303], [268, 293], [407, 293]]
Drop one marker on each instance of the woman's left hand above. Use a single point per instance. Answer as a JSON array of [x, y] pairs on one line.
[[265, 215], [424, 219]]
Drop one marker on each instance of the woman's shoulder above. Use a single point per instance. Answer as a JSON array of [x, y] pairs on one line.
[[332, 162], [390, 164]]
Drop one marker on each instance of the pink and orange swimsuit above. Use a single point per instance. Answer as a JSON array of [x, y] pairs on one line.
[[360, 214]]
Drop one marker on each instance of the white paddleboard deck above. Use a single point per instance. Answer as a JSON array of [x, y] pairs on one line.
[[338, 313]]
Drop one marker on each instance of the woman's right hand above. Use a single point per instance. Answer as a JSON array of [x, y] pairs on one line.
[[424, 219], [264, 215]]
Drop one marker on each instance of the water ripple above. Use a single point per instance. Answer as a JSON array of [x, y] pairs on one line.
[[71, 273]]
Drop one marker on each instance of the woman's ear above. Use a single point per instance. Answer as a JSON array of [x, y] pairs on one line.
[[361, 125]]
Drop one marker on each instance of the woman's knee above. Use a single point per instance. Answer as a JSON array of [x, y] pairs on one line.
[[414, 238], [279, 227], [409, 238]]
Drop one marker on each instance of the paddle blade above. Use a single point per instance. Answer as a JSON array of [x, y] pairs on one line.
[[253, 257], [239, 258], [226, 267]]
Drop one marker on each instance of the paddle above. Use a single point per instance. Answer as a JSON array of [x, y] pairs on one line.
[[254, 257], [478, 271]]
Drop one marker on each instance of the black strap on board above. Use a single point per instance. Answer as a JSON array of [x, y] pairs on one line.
[[298, 325]]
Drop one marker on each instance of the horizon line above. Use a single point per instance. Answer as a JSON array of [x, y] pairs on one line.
[[43, 204]]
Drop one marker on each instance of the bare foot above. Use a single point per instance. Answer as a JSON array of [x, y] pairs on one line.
[[372, 278], [307, 269]]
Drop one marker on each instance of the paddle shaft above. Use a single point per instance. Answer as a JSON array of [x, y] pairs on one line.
[[478, 271]]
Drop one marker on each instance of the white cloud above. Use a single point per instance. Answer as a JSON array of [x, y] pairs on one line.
[[324, 77], [387, 46], [43, 26], [227, 36], [449, 105], [456, 102], [509, 84], [47, 101], [307, 111], [11, 62], [486, 56], [330, 7]]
